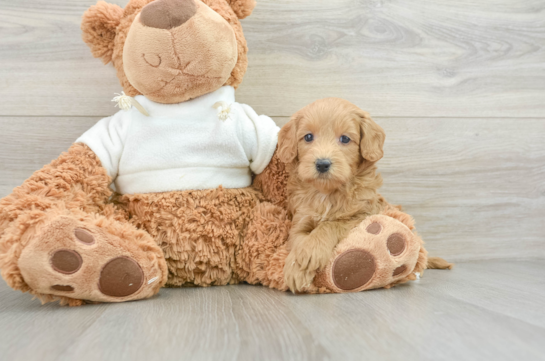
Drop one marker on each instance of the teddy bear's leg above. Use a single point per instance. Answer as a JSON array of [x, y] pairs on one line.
[[90, 257], [380, 252], [60, 239], [261, 257]]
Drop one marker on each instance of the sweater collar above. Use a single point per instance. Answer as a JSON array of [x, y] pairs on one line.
[[207, 101]]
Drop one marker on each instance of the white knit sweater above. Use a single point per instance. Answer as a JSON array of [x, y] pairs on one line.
[[184, 146]]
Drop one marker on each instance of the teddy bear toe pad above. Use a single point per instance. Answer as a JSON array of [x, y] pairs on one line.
[[353, 269], [378, 252], [66, 261], [68, 257], [121, 277]]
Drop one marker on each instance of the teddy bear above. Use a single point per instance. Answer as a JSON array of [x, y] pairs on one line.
[[182, 186]]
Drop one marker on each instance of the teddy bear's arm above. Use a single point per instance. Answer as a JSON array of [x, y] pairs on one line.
[[74, 180], [273, 181], [62, 209]]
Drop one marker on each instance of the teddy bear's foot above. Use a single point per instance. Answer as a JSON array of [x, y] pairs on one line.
[[95, 259], [379, 252]]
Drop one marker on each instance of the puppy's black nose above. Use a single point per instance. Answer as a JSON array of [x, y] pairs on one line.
[[323, 165]]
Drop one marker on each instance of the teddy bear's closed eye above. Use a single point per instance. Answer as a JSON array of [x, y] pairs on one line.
[[152, 59]]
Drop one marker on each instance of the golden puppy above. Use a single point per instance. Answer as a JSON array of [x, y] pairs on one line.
[[330, 147]]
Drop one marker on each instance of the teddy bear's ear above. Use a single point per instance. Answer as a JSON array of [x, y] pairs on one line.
[[99, 25], [242, 8]]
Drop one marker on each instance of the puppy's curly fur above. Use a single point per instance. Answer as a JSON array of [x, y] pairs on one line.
[[327, 205]]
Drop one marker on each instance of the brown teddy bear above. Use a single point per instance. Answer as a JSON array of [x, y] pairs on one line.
[[200, 193]]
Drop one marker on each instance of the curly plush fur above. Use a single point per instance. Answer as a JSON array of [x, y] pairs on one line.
[[74, 185], [276, 189], [210, 237], [198, 231]]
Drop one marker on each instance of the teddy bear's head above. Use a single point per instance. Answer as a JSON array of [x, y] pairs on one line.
[[170, 50]]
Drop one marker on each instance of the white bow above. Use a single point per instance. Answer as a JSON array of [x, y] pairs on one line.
[[223, 110], [126, 102]]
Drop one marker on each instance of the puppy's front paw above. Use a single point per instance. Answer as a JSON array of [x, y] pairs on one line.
[[296, 277], [379, 252], [301, 267]]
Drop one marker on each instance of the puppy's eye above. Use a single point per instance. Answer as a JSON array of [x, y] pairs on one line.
[[309, 137], [344, 139]]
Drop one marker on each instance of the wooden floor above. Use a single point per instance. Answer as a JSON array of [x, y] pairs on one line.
[[486, 310]]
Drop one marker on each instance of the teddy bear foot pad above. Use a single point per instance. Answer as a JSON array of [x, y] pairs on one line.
[[379, 252], [77, 259]]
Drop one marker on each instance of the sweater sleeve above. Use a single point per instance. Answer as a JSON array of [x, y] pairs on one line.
[[106, 139], [260, 136]]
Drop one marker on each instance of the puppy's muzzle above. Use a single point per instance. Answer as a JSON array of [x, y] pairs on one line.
[[323, 165]]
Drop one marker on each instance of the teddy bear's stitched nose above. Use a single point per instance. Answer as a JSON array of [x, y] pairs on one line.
[[167, 14]]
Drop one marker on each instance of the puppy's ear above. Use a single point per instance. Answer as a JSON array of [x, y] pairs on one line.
[[287, 140], [99, 25], [372, 137], [242, 8]]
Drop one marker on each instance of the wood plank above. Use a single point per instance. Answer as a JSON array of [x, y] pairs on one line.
[[27, 144], [474, 186], [398, 58], [45, 68], [422, 321], [514, 289], [471, 312], [30, 331], [394, 58], [228, 323]]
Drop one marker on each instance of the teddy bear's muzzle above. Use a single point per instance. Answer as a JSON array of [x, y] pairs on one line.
[[170, 63], [167, 14]]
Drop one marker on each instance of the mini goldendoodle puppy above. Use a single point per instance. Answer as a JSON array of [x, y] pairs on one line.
[[331, 147]]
